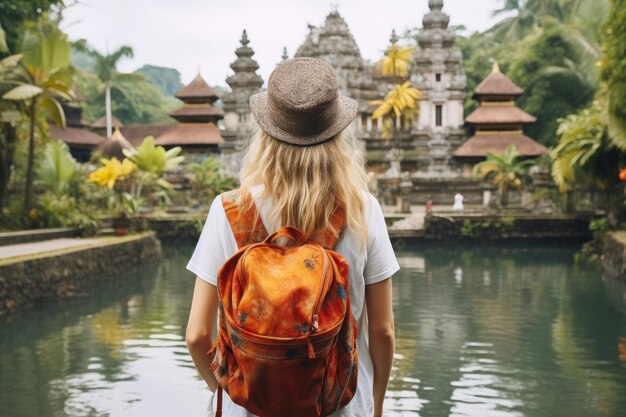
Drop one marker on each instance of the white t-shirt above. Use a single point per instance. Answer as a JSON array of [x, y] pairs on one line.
[[368, 265]]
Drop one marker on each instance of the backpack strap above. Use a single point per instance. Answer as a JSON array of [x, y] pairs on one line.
[[246, 225]]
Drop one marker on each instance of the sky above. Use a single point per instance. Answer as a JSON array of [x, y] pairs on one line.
[[192, 35]]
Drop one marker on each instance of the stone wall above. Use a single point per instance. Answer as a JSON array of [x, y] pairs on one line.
[[614, 254], [456, 227], [440, 191], [185, 228], [36, 235], [72, 272]]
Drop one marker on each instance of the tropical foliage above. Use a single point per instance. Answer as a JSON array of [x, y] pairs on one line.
[[396, 62], [613, 68], [3, 41], [154, 159], [555, 85], [585, 153], [401, 100], [60, 176], [105, 67], [166, 79], [59, 173], [46, 77], [17, 16], [207, 180], [549, 48], [505, 170], [400, 104], [138, 178], [134, 99]]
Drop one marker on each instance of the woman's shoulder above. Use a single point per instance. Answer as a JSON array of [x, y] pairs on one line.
[[371, 204]]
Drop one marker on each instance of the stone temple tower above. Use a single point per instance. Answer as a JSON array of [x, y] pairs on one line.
[[334, 43], [438, 72], [244, 83]]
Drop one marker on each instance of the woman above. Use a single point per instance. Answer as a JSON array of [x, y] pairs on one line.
[[299, 169]]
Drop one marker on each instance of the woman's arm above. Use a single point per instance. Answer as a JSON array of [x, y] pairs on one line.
[[202, 319], [378, 299]]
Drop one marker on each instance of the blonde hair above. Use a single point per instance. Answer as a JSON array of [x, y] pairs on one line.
[[306, 184]]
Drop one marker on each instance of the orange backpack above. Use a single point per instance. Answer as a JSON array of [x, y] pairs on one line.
[[286, 344]]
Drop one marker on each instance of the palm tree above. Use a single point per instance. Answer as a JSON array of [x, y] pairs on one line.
[[105, 67], [526, 18], [397, 60], [45, 77], [401, 102], [585, 16], [504, 170]]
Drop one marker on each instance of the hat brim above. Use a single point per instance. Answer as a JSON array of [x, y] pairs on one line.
[[347, 112]]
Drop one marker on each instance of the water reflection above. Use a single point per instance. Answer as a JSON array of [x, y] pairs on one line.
[[507, 331], [481, 331]]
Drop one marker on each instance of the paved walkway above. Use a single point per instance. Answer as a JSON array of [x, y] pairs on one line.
[[22, 249]]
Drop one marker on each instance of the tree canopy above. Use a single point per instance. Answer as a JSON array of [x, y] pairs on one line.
[[16, 15], [549, 48], [613, 68], [167, 79]]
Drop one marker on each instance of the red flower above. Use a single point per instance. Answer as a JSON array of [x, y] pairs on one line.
[[622, 174]]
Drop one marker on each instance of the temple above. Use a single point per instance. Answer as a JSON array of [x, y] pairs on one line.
[[423, 147], [497, 122], [197, 129], [244, 83], [438, 73], [75, 134], [430, 150]]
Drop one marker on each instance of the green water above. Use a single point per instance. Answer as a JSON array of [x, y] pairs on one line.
[[481, 331]]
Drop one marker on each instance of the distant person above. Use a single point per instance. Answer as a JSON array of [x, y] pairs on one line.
[[458, 202], [300, 170]]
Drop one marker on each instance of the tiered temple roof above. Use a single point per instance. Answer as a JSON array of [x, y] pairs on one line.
[[497, 85], [238, 121], [80, 140], [245, 82], [197, 119], [197, 91], [75, 136], [498, 122], [114, 145]]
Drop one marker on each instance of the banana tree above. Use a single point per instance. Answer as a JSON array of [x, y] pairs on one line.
[[504, 170], [152, 162], [45, 78], [58, 171]]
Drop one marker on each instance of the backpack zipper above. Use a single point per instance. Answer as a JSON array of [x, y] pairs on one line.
[[318, 304]]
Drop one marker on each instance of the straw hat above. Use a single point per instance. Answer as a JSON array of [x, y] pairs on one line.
[[302, 105]]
